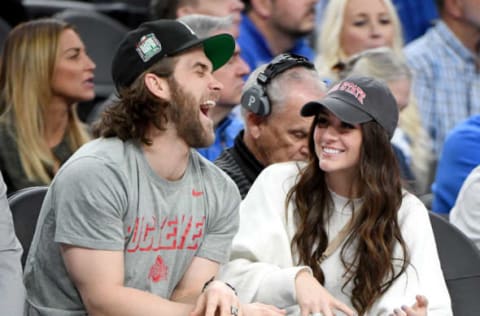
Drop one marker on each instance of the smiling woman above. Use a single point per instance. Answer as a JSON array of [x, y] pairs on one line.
[[347, 237], [44, 72]]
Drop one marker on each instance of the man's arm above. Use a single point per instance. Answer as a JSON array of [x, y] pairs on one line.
[[216, 295], [99, 277], [190, 287]]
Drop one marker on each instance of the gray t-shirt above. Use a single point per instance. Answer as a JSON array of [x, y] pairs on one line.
[[107, 197]]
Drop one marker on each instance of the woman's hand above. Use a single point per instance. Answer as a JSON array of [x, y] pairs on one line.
[[258, 309], [313, 298], [418, 309]]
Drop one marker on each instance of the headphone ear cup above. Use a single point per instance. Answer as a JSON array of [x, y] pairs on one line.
[[255, 100]]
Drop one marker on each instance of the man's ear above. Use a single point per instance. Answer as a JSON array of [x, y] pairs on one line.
[[254, 124], [262, 8], [158, 86], [184, 10], [453, 8]]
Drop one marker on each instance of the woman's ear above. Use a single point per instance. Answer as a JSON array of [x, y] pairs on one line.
[[158, 86]]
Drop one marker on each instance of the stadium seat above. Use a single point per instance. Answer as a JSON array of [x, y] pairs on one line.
[[25, 205], [460, 261]]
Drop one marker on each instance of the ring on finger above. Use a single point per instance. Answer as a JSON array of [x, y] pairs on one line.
[[234, 310], [316, 314]]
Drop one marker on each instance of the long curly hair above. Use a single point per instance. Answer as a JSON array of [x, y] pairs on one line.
[[137, 108], [375, 231]]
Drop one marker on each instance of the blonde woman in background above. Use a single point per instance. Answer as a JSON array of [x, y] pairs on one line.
[[352, 26], [44, 72]]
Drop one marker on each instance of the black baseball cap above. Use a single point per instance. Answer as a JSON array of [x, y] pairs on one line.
[[151, 41], [359, 99]]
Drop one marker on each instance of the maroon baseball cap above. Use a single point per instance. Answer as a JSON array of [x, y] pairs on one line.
[[359, 99]]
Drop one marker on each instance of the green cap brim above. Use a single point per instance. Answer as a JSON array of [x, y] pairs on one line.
[[219, 49]]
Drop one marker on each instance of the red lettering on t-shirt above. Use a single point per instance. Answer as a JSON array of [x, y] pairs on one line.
[[133, 246], [166, 234], [149, 228], [199, 234], [185, 233]]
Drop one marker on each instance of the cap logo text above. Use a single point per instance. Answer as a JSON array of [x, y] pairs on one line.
[[351, 88], [148, 46]]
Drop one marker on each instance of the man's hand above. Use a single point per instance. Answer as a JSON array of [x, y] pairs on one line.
[[217, 299], [313, 298], [420, 308]]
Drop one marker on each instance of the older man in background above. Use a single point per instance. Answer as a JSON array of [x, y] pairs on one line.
[[274, 130], [270, 28]]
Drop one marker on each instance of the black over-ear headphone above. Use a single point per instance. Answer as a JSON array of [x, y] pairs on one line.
[[255, 98]]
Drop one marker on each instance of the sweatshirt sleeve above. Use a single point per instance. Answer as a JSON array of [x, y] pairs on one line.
[[424, 274], [466, 212], [262, 268]]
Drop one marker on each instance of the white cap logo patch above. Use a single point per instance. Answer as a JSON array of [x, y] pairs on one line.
[[148, 46]]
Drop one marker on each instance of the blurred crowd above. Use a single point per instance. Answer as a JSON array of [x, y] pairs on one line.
[[79, 101]]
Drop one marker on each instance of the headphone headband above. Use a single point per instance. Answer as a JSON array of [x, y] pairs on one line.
[[280, 64], [255, 98]]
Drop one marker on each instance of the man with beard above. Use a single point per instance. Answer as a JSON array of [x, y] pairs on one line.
[[270, 28], [137, 222], [227, 124]]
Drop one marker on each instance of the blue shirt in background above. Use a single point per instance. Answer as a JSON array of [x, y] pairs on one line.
[[255, 50], [446, 81], [460, 155], [416, 17], [225, 134]]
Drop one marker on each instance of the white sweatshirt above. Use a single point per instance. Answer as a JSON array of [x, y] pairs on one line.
[[465, 214], [263, 270]]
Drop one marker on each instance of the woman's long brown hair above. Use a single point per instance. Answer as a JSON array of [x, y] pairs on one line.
[[375, 231]]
